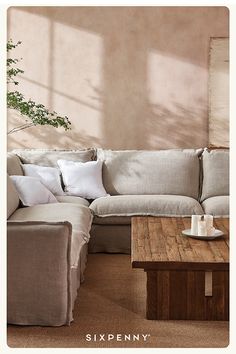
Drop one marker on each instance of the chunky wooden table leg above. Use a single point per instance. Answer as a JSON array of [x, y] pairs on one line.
[[151, 305], [187, 295]]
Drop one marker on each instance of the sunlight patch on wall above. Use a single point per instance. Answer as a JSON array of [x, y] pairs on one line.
[[33, 31], [64, 71], [77, 75], [177, 94]]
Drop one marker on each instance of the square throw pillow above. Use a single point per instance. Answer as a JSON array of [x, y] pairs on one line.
[[83, 179], [31, 191], [49, 176]]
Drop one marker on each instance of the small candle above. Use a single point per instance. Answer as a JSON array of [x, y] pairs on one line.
[[202, 230], [194, 224], [211, 231], [209, 223]]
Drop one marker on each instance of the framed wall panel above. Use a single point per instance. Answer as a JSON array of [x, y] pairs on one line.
[[219, 92]]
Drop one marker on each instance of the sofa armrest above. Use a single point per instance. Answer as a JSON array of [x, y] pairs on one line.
[[38, 273]]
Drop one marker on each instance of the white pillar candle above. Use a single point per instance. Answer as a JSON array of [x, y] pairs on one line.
[[209, 223], [202, 230], [194, 224]]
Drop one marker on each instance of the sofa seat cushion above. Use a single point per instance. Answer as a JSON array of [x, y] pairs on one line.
[[72, 199], [154, 205], [217, 206], [168, 172], [79, 216], [112, 220]]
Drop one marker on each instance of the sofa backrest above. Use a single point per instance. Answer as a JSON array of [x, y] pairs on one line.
[[48, 157], [215, 170], [13, 165], [12, 197], [151, 172]]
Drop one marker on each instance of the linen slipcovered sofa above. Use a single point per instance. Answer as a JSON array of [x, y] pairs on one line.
[[48, 244]]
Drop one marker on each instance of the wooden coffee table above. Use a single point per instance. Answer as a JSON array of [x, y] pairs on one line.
[[187, 279]]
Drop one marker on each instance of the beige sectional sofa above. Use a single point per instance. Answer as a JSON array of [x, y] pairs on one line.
[[47, 250], [165, 182], [48, 244]]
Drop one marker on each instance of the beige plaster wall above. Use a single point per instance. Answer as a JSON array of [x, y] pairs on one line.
[[127, 77]]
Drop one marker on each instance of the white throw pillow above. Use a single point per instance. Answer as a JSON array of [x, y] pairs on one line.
[[31, 191], [49, 176], [83, 179]]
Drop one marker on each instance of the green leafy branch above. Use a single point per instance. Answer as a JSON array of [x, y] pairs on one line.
[[35, 114]]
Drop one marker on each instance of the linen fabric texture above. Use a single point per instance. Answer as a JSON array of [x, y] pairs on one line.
[[49, 177], [79, 216], [72, 199], [83, 179], [153, 205], [48, 157], [215, 168], [216, 206], [52, 251], [38, 273], [31, 191], [12, 197], [13, 165], [151, 172]]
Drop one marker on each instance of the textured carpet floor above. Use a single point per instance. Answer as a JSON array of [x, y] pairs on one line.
[[112, 301]]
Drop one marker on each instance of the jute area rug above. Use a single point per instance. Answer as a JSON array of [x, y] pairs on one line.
[[110, 312]]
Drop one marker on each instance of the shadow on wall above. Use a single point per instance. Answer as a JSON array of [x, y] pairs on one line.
[[128, 77], [180, 127], [48, 137]]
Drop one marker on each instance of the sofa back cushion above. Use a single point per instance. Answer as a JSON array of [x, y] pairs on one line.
[[215, 169], [151, 172], [13, 165], [12, 197], [47, 157]]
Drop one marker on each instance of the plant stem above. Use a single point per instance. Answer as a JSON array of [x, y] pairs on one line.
[[20, 127]]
